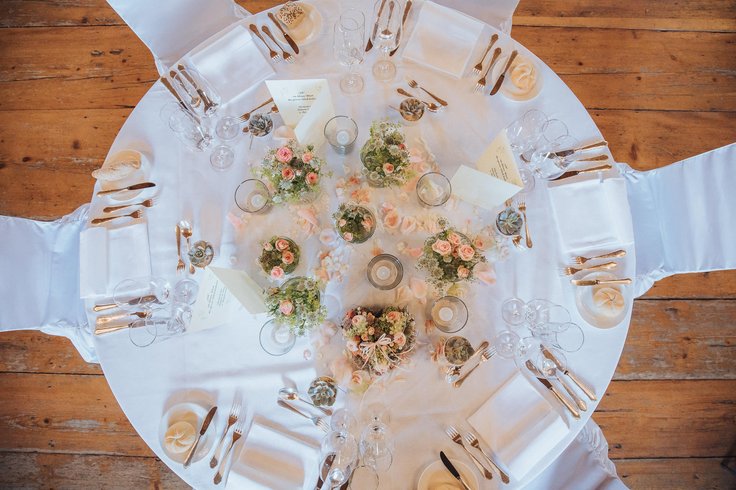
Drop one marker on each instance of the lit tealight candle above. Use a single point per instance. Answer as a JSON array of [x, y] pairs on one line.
[[282, 335], [446, 314], [342, 137], [383, 272], [257, 200]]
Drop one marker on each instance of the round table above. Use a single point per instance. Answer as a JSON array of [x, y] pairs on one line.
[[219, 365]]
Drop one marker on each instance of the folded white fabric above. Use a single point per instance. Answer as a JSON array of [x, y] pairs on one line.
[[519, 425], [443, 39], [128, 250], [272, 459], [231, 63], [592, 214]]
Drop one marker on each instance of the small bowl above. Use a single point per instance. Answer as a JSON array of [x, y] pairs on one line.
[[460, 350], [411, 109]]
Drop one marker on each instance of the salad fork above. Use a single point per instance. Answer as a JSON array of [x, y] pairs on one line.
[[287, 56], [275, 57], [482, 82], [231, 420], [146, 204], [413, 84], [471, 439], [485, 356], [611, 255], [571, 271], [318, 421], [477, 69], [237, 434], [453, 434], [522, 208], [180, 264], [135, 215]]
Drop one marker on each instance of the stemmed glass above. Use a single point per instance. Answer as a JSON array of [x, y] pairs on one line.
[[376, 441], [339, 447], [349, 46], [190, 129], [386, 36]]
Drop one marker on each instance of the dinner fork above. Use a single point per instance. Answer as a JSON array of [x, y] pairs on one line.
[[146, 204], [318, 421], [231, 419], [485, 355], [482, 82], [237, 434], [477, 69], [287, 56], [413, 84], [571, 271], [522, 208], [180, 264], [135, 215], [471, 439], [273, 54], [610, 255], [453, 434], [247, 115]]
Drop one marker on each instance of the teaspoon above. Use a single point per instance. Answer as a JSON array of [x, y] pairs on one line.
[[291, 394]]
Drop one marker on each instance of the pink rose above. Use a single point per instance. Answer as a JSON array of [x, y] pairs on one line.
[[307, 157], [367, 223], [391, 220], [277, 272], [466, 252], [348, 237], [284, 154], [286, 307], [479, 243], [267, 246], [287, 257], [463, 272], [358, 320], [454, 238], [400, 339], [342, 223], [282, 245], [287, 173], [442, 247], [388, 168], [312, 178], [393, 316]]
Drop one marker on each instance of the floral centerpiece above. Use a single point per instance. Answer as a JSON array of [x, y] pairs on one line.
[[296, 304], [279, 256], [449, 257], [378, 340], [385, 157], [354, 224], [293, 171]]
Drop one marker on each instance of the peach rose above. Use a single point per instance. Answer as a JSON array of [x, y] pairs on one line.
[[388, 168], [287, 257], [312, 178], [479, 243], [466, 252], [307, 157], [463, 272], [277, 272], [282, 245], [442, 247], [348, 236], [393, 316], [287, 173], [358, 320], [391, 220], [286, 307], [400, 339], [284, 154], [367, 223], [454, 238]]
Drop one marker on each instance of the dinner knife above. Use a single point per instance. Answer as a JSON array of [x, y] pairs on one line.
[[503, 73], [585, 389], [572, 393], [202, 430], [292, 43], [369, 46], [167, 83], [567, 403], [567, 153], [451, 468], [573, 173], [134, 187], [599, 282], [401, 30], [151, 298], [208, 104]]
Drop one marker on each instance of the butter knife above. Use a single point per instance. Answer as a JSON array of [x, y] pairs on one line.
[[567, 153], [567, 403], [497, 87], [585, 389], [134, 187], [202, 430], [453, 471], [573, 173], [209, 106], [597, 282], [292, 43], [369, 46], [143, 299], [401, 29]]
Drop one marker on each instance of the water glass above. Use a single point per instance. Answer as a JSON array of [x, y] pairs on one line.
[[349, 46], [222, 158], [191, 130], [341, 133]]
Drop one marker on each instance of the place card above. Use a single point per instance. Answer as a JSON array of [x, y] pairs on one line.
[[305, 105], [223, 293], [496, 179]]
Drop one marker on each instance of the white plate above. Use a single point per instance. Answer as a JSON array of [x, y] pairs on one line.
[[584, 301], [436, 474], [309, 28], [140, 175], [507, 86], [193, 413]]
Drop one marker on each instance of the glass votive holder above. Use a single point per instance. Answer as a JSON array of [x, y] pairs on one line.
[[252, 196], [276, 338], [509, 222], [449, 314], [222, 157], [201, 254], [433, 189], [458, 350], [385, 272], [341, 132]]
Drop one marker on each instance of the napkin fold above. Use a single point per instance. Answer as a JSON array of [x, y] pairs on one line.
[[592, 214], [519, 425], [443, 39], [272, 459], [231, 63], [108, 256]]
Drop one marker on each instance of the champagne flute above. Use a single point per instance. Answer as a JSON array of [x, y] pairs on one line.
[[386, 37], [348, 48]]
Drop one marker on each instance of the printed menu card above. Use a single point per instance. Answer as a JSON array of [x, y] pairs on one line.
[[222, 294], [305, 105]]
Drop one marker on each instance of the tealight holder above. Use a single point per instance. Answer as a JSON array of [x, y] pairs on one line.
[[252, 196], [385, 272], [341, 133], [433, 189], [449, 314]]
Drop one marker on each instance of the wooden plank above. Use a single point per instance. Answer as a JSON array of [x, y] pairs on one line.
[[36, 352], [669, 419], [65, 414], [680, 340], [69, 471], [669, 473], [719, 284]]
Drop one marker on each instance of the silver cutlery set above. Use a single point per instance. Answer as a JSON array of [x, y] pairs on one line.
[[276, 49], [471, 441], [582, 265], [135, 214], [287, 395], [483, 81], [483, 353]]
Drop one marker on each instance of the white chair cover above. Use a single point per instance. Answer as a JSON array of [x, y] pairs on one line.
[[584, 465], [496, 13], [172, 28], [40, 285], [684, 218]]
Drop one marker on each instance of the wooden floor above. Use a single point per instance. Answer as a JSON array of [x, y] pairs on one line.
[[659, 78]]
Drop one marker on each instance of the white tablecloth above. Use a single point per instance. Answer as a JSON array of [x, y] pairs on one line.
[[222, 363]]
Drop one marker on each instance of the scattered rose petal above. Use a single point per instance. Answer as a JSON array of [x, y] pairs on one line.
[[485, 272], [237, 222], [307, 354], [419, 289], [408, 224], [327, 237]]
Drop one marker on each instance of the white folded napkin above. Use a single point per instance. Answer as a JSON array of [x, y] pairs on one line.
[[519, 425], [443, 39], [592, 214], [231, 63], [272, 459], [108, 256]]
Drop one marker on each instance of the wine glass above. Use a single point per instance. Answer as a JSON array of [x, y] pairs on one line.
[[524, 132], [506, 344], [185, 291], [568, 337], [341, 448], [222, 157], [513, 311], [228, 128], [189, 128], [386, 36], [376, 441], [349, 46], [342, 420]]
